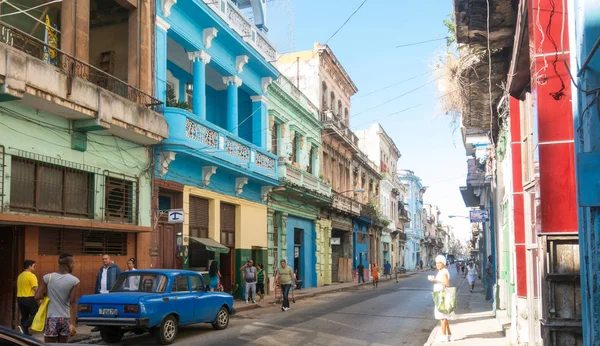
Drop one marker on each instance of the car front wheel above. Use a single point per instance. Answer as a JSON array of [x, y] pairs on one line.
[[167, 331], [111, 335], [222, 320]]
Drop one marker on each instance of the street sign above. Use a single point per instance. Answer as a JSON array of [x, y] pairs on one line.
[[481, 215], [336, 241], [176, 216]]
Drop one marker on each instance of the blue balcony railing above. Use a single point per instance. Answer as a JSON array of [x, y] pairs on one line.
[[202, 138]]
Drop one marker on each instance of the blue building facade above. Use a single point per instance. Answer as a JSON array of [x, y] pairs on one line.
[[212, 71], [584, 16], [414, 204], [360, 242]]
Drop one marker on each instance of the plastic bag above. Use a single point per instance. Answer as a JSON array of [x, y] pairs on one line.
[[445, 300], [39, 321]]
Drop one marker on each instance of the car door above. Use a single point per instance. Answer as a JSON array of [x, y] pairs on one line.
[[204, 302], [182, 299]]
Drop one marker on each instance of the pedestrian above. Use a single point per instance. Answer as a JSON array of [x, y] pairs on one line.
[[250, 277], [387, 268], [107, 276], [27, 284], [471, 275], [375, 272], [133, 281], [285, 277], [260, 282], [457, 264], [397, 271], [61, 288], [489, 279], [214, 276], [421, 264], [360, 268], [462, 267], [441, 280]]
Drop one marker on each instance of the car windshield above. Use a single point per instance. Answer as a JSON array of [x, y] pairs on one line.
[[134, 282]]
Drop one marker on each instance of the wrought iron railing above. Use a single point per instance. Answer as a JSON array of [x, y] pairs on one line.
[[74, 67]]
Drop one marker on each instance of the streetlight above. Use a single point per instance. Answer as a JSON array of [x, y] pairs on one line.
[[361, 190]]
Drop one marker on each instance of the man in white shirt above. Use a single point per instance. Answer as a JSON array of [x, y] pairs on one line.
[[107, 276]]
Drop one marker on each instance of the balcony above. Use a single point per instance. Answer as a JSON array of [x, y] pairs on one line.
[[302, 178], [45, 78], [403, 216], [200, 138], [335, 127], [237, 21], [346, 204], [415, 233], [402, 236]]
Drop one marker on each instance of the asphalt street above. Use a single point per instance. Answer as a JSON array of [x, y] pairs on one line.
[[393, 314]]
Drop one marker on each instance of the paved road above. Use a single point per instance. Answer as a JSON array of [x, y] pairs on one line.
[[393, 314]]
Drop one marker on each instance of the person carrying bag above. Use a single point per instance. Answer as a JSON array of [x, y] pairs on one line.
[[39, 321]]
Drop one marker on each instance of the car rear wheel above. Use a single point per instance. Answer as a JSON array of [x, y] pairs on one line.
[[111, 335], [222, 320], [167, 331]]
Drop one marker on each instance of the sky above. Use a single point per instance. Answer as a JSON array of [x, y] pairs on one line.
[[429, 143]]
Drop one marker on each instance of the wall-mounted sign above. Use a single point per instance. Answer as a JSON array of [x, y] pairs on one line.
[[176, 216], [482, 215], [336, 241]]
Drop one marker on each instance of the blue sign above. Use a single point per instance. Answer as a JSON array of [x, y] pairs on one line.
[[176, 216]]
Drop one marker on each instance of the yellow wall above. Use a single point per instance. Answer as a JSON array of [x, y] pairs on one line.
[[251, 218]]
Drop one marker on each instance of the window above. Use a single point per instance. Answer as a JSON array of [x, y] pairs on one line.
[[44, 188], [311, 153], [197, 283], [151, 283], [346, 116], [294, 142], [275, 139], [324, 97], [181, 284], [198, 214], [228, 225], [340, 107], [119, 202], [332, 102], [54, 241]]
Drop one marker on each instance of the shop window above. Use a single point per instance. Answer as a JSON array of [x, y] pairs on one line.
[[54, 241], [45, 188], [119, 200]]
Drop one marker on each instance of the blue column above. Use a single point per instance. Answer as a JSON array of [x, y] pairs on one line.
[[200, 59], [259, 121], [233, 83], [161, 58]]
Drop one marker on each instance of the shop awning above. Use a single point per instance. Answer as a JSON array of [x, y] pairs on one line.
[[211, 245]]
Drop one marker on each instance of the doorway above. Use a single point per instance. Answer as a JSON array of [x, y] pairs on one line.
[[298, 235], [9, 253], [228, 239]]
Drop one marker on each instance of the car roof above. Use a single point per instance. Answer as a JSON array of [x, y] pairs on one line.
[[167, 272]]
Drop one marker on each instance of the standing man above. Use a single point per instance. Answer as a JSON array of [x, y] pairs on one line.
[[107, 276], [387, 268], [61, 287], [27, 285], [250, 276], [489, 279], [360, 268], [285, 277]]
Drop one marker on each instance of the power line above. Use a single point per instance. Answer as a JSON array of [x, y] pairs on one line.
[[421, 42], [389, 115], [392, 85]]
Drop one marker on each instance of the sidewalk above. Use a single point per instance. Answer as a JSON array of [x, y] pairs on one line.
[[475, 322], [85, 335]]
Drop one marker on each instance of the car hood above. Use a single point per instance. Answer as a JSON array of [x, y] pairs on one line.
[[115, 298]]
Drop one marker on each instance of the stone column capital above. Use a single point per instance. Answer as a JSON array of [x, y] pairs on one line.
[[259, 98], [161, 23], [199, 55], [237, 81]]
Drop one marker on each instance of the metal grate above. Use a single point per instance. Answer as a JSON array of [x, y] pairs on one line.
[[47, 188], [120, 200], [54, 241]]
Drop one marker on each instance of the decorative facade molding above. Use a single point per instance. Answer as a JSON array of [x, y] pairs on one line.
[[199, 55], [166, 6], [161, 23], [233, 80], [208, 35], [240, 61], [165, 158], [239, 185], [264, 192], [265, 82], [207, 172], [259, 98]]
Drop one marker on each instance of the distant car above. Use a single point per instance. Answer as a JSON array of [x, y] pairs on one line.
[[155, 301]]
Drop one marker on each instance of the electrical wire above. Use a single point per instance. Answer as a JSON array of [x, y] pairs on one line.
[[29, 9], [490, 74], [422, 42], [394, 84]]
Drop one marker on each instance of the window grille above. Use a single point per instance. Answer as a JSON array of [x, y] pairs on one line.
[[54, 241]]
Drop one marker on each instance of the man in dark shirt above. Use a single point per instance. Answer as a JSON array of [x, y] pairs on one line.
[[361, 272]]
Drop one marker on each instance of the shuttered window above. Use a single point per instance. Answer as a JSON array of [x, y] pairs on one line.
[[198, 217], [228, 225], [54, 241]]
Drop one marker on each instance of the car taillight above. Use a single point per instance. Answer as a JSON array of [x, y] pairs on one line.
[[84, 308], [131, 308]]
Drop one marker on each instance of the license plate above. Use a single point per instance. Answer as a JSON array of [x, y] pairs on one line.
[[108, 312]]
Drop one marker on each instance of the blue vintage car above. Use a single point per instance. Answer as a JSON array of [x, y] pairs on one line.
[[155, 301]]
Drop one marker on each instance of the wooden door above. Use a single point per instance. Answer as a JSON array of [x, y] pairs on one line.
[[8, 273], [167, 245], [228, 269]]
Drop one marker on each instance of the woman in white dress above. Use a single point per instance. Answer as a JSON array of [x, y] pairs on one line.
[[441, 280], [471, 275]]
